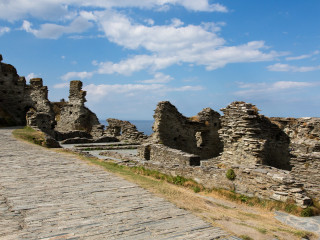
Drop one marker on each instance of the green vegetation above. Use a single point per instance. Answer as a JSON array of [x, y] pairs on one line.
[[30, 135], [230, 174], [245, 237]]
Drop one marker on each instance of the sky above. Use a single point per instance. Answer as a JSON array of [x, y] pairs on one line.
[[131, 54]]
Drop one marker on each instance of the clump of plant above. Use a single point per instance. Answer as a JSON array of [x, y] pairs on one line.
[[230, 174], [307, 212], [30, 135], [196, 189]]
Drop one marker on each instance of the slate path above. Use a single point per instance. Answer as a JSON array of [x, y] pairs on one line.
[[311, 224], [47, 195]]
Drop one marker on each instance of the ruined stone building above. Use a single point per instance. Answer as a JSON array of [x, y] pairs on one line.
[[197, 135], [124, 131], [273, 158], [20, 102]]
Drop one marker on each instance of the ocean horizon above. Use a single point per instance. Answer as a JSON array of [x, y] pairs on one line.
[[144, 126]]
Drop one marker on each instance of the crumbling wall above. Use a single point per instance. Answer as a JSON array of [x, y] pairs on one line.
[[17, 98], [160, 154], [75, 116], [40, 112], [304, 136], [124, 131], [12, 87], [197, 135], [250, 138], [260, 181]]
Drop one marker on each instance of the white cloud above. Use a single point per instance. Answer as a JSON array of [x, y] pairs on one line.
[[259, 89], [77, 75], [279, 67], [158, 78], [174, 44], [54, 31], [149, 21], [61, 85], [4, 30], [96, 92], [303, 56], [30, 76], [135, 64], [13, 10]]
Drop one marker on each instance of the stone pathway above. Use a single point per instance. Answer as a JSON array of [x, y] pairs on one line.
[[311, 224], [47, 195]]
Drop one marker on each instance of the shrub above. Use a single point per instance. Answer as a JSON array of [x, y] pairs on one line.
[[307, 212], [230, 174], [196, 189]]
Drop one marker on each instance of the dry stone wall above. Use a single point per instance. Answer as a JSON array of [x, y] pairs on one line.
[[197, 135], [304, 136], [17, 99], [124, 131], [74, 116], [250, 138], [273, 158]]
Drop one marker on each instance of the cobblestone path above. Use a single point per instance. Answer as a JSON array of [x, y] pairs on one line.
[[47, 195]]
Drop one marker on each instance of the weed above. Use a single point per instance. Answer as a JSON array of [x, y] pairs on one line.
[[196, 189], [307, 212], [230, 174], [245, 237]]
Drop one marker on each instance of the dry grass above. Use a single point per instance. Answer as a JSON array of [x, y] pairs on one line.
[[194, 118]]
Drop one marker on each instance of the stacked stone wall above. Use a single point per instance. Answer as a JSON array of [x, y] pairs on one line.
[[75, 116], [257, 180], [304, 136], [172, 157], [250, 138], [124, 131], [197, 135]]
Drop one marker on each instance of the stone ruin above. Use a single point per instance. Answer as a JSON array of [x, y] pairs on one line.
[[124, 131], [273, 158], [66, 121], [197, 135]]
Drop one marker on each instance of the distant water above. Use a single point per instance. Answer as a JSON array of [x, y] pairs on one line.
[[142, 125]]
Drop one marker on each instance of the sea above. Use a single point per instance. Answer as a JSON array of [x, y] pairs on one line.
[[144, 126]]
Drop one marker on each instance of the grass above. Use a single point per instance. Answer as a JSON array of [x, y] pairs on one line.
[[30, 135]]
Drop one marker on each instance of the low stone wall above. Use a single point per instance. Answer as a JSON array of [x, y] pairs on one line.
[[258, 180], [171, 157], [307, 170]]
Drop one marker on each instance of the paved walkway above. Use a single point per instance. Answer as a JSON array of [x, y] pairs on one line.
[[46, 195], [311, 224]]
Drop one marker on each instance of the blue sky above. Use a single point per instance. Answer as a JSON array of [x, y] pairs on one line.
[[196, 54]]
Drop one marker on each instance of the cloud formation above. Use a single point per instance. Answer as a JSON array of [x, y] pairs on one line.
[[14, 10], [259, 89], [303, 56], [54, 31], [96, 92], [76, 75], [174, 44], [279, 67], [158, 78], [4, 30]]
